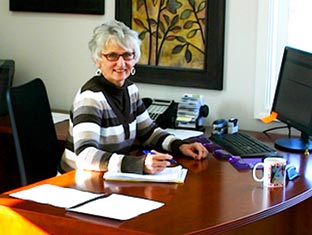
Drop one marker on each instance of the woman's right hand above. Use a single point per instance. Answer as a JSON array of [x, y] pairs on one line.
[[156, 162]]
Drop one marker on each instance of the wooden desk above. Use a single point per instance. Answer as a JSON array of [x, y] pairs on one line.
[[215, 199]]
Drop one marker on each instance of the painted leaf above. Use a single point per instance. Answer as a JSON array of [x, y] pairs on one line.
[[175, 20], [201, 6], [188, 56], [170, 37], [173, 5], [138, 22], [176, 29], [177, 49], [192, 33], [186, 14], [188, 24], [167, 19], [180, 39]]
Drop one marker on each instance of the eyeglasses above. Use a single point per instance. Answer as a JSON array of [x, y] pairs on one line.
[[114, 56]]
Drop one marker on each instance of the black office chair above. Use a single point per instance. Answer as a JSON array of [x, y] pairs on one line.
[[37, 148], [7, 68]]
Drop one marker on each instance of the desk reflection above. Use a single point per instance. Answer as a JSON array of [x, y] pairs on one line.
[[94, 182]]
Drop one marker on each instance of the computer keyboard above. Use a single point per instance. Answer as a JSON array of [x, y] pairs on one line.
[[243, 145]]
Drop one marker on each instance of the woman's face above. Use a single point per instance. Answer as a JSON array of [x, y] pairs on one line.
[[116, 64]]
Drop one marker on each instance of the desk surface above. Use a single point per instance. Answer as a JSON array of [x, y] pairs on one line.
[[215, 198]]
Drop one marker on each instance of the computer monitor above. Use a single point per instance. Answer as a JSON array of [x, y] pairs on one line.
[[293, 99], [7, 68]]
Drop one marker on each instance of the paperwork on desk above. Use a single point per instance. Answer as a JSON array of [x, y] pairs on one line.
[[59, 117], [183, 133], [114, 206], [117, 206], [175, 174], [188, 113], [55, 195]]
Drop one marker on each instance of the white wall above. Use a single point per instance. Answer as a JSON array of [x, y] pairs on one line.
[[54, 48]]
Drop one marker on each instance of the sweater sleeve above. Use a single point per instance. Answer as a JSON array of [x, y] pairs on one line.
[[175, 146], [153, 136], [132, 164]]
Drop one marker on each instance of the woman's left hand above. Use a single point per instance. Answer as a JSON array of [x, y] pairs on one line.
[[195, 150]]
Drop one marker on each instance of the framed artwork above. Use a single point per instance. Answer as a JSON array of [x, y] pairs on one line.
[[59, 6], [182, 41]]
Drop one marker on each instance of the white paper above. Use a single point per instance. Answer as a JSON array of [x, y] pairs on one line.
[[55, 195], [184, 134], [114, 206], [175, 174], [59, 117], [118, 206]]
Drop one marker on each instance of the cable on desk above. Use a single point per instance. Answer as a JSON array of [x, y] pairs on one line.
[[278, 127]]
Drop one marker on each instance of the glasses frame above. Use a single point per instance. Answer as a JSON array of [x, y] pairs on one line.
[[122, 55]]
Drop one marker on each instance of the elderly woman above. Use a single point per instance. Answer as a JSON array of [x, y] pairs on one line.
[[107, 114]]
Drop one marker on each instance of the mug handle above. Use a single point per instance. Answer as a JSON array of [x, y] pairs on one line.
[[254, 170]]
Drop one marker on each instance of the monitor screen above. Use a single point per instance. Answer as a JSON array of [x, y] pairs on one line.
[[7, 68], [293, 98]]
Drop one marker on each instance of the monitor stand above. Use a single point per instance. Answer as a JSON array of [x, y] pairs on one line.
[[293, 144]]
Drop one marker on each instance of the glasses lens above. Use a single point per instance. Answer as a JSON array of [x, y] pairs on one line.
[[127, 56], [112, 56]]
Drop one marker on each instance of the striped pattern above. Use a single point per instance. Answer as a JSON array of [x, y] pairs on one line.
[[103, 134]]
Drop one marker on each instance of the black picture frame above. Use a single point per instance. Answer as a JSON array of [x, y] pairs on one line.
[[59, 6], [211, 77]]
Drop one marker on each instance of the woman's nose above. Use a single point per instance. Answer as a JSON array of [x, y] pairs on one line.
[[121, 61]]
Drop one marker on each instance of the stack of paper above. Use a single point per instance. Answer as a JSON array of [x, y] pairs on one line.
[[188, 111], [114, 206], [59, 117], [175, 174], [184, 133]]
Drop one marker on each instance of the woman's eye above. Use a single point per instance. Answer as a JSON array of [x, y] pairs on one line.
[[127, 55], [113, 56]]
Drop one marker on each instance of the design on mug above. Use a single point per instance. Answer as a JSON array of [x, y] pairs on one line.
[[277, 174]]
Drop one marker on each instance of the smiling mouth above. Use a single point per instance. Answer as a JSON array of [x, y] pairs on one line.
[[120, 70]]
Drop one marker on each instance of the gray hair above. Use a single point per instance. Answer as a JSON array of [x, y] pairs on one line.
[[116, 32]]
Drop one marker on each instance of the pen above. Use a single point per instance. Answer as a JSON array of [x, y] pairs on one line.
[[169, 160], [90, 200]]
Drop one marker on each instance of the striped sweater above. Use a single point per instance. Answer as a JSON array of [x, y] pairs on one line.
[[105, 121]]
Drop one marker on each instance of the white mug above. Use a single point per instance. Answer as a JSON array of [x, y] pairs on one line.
[[274, 173]]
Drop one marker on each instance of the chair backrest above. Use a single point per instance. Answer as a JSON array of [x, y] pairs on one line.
[[7, 68], [36, 144]]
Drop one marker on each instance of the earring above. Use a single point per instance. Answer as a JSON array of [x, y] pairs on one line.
[[98, 72], [133, 71]]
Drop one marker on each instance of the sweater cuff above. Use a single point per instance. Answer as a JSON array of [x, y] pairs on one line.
[[133, 164], [175, 146]]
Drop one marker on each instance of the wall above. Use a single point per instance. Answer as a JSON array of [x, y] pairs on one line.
[[54, 47]]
